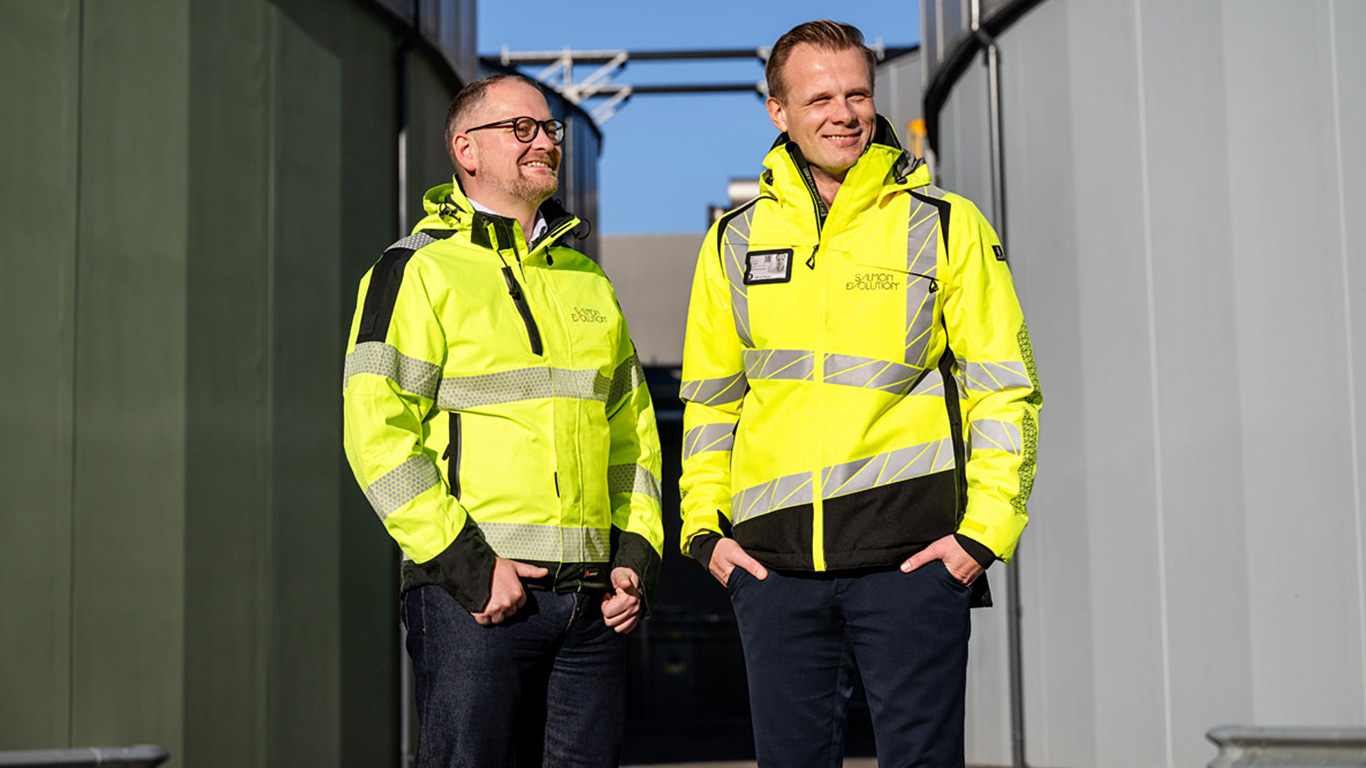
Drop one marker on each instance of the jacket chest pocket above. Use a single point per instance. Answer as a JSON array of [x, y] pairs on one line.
[[885, 304]]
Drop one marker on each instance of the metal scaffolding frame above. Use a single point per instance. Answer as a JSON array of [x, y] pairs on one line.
[[558, 72]]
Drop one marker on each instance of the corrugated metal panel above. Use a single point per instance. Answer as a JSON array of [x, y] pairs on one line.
[[1181, 198], [40, 52]]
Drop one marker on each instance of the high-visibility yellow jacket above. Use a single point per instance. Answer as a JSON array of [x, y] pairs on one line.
[[494, 404], [859, 382]]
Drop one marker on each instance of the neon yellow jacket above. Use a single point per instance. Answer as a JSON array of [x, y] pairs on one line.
[[859, 382], [494, 404]]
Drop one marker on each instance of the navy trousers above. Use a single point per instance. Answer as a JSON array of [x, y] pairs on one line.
[[544, 688], [805, 636]]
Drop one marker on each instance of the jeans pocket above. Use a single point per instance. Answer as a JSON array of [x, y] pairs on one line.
[[951, 579], [737, 574]]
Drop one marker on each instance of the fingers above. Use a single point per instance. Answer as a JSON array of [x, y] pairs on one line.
[[728, 555], [932, 552], [527, 571], [625, 578], [755, 568], [621, 612]]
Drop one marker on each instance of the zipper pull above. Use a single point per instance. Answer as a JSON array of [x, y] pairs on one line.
[[811, 261], [557, 485], [514, 290]]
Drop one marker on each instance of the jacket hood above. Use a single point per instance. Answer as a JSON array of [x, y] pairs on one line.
[[883, 163]]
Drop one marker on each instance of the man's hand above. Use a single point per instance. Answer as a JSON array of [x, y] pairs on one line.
[[961, 565], [506, 594], [729, 555], [621, 607]]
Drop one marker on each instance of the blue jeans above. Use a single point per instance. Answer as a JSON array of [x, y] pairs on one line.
[[806, 635], [545, 687]]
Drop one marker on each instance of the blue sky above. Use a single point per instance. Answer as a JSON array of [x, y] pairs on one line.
[[665, 158]]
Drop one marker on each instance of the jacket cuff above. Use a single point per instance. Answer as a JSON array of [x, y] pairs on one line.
[[634, 552], [702, 546], [464, 569], [979, 551]]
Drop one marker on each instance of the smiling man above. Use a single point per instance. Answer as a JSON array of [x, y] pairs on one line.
[[860, 421], [498, 421]]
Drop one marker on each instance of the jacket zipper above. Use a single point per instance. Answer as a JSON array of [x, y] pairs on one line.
[[515, 291], [452, 456], [817, 475], [821, 211]]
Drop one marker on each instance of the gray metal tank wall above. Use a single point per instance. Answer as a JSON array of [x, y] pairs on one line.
[[192, 190], [1186, 235], [898, 95]]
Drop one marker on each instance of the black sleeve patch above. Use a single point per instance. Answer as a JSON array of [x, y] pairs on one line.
[[380, 297]]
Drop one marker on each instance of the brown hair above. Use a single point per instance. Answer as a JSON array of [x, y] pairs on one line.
[[469, 98], [824, 34]]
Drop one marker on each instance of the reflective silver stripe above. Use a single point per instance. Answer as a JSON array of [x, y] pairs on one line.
[[865, 372], [734, 246], [412, 375], [714, 391], [845, 370], [996, 435], [991, 377], [413, 242], [922, 260], [632, 478], [930, 386], [625, 379], [523, 384], [779, 364], [402, 484], [708, 437], [887, 468], [548, 543], [790, 491], [844, 479]]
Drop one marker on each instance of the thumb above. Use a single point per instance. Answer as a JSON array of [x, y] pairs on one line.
[[755, 567], [625, 578], [529, 571], [919, 559]]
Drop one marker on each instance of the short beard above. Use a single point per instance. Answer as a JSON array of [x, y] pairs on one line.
[[534, 192]]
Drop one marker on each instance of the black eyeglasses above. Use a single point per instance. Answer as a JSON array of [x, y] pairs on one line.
[[525, 128]]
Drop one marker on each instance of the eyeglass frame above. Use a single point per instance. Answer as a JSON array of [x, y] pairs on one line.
[[511, 122]]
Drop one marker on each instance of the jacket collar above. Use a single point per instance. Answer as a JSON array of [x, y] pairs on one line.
[[882, 169], [448, 208]]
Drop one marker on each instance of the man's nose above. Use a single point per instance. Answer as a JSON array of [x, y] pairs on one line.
[[843, 112], [542, 139]]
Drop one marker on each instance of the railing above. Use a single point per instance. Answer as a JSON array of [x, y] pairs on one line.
[[105, 757], [1243, 746]]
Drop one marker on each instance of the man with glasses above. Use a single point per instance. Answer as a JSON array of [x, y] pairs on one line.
[[860, 420], [498, 421]]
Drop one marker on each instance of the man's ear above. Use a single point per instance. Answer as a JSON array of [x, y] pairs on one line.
[[465, 152], [777, 114]]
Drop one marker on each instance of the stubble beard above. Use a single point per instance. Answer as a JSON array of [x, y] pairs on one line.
[[534, 191]]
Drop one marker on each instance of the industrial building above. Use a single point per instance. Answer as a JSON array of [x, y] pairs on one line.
[[192, 189]]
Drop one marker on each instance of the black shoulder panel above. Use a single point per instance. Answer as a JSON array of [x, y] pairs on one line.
[[944, 207], [725, 221], [385, 278]]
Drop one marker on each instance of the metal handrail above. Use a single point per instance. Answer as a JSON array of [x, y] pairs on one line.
[[1242, 746], [142, 756]]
